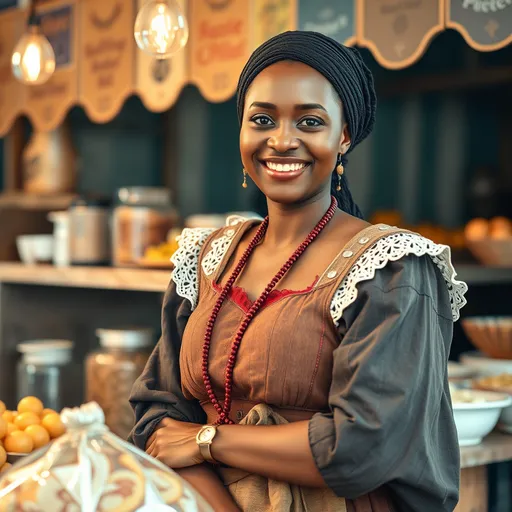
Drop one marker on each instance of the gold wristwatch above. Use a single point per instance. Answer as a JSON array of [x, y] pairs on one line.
[[204, 440]]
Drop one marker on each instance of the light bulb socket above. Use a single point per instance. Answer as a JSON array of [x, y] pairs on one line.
[[34, 22]]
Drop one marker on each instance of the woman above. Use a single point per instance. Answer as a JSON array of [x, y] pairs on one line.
[[334, 359]]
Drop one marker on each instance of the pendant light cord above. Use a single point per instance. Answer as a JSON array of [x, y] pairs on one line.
[[32, 18]]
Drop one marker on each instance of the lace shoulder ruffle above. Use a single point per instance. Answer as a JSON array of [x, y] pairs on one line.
[[186, 262], [392, 248], [186, 258]]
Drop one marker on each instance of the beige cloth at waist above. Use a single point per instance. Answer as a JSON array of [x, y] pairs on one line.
[[255, 493]]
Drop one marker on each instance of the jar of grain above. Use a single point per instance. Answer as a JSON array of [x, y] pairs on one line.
[[112, 370], [142, 219]]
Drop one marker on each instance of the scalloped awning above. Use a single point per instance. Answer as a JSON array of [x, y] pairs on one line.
[[99, 65]]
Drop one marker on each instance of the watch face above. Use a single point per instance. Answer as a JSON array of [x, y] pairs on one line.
[[206, 435]]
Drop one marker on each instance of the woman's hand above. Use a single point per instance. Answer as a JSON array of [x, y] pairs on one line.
[[174, 443]]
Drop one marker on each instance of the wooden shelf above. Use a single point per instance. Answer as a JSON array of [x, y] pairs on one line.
[[478, 274], [157, 280], [86, 277], [495, 447], [32, 202]]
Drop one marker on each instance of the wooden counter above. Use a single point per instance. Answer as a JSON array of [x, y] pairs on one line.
[[474, 488], [496, 447], [86, 277]]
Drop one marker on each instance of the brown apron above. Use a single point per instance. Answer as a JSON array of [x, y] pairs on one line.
[[283, 371]]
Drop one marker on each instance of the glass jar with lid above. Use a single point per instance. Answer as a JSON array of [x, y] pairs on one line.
[[142, 219], [112, 370], [46, 370]]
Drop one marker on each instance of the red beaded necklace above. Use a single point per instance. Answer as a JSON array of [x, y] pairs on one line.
[[223, 412]]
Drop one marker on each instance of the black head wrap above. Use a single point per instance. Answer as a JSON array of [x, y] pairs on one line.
[[341, 65]]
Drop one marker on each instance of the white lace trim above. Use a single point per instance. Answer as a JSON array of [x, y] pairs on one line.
[[212, 259], [393, 248], [390, 248], [186, 262], [186, 258]]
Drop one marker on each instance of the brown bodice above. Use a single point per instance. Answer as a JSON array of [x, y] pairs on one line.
[[285, 358]]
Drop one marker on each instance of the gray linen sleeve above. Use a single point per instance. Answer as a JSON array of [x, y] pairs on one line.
[[390, 421], [157, 392]]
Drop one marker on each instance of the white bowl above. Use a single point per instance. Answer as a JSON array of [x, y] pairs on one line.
[[485, 366], [35, 248], [459, 372], [475, 420], [505, 420]]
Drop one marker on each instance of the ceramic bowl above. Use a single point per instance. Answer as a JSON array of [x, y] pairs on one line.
[[35, 248], [484, 365], [500, 384], [476, 420]]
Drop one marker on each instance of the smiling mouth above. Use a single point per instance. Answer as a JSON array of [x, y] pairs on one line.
[[289, 167]]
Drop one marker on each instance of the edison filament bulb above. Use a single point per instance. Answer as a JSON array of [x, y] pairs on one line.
[[33, 59], [160, 28]]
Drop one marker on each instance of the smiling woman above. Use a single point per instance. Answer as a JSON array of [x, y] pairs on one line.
[[289, 145], [302, 364]]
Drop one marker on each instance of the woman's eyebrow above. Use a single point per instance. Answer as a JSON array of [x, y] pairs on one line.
[[303, 106], [310, 106]]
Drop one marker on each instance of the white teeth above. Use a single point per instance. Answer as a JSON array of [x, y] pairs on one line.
[[286, 167]]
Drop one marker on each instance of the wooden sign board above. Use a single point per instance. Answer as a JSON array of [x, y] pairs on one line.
[[219, 45], [398, 33], [159, 81], [106, 53], [46, 105], [333, 18], [272, 17], [486, 25]]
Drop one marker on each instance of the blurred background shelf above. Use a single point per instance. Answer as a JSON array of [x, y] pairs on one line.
[[106, 278], [474, 274], [22, 201], [149, 280]]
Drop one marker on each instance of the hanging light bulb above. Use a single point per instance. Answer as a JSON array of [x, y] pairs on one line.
[[161, 28], [33, 59]]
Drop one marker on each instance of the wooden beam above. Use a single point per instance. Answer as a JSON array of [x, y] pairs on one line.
[[482, 77]]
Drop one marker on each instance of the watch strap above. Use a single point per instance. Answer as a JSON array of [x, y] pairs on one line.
[[206, 452]]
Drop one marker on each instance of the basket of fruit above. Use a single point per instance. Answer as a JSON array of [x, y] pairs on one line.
[[26, 429], [490, 334], [490, 241]]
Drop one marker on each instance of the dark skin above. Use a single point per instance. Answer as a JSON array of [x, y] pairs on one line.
[[292, 117]]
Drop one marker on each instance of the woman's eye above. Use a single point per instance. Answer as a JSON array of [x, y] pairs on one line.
[[262, 120], [310, 122]]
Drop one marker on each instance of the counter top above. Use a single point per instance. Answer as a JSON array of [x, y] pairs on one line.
[[157, 280], [496, 447], [109, 278]]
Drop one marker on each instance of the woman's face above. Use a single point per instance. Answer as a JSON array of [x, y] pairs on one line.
[[292, 131]]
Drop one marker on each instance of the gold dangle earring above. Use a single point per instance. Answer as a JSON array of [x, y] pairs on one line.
[[244, 183], [340, 170]]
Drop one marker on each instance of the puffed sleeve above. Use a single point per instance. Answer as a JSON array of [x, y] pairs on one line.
[[390, 421], [157, 392]]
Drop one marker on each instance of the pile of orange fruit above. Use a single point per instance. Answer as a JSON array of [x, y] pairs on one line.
[[497, 228], [28, 428]]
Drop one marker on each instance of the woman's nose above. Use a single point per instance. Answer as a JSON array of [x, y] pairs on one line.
[[283, 139]]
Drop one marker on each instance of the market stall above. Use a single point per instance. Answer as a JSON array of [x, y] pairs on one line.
[[98, 67]]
